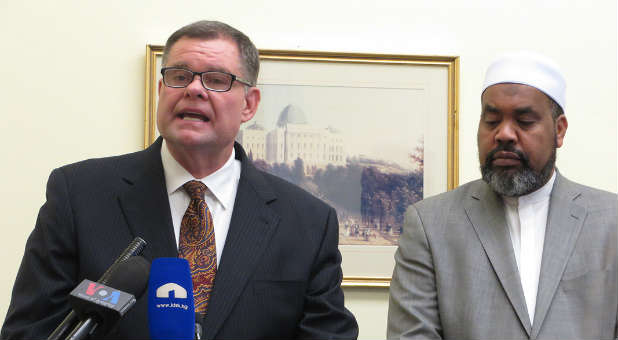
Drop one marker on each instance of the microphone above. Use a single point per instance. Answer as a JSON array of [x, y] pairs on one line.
[[134, 248], [101, 306], [198, 329], [171, 312]]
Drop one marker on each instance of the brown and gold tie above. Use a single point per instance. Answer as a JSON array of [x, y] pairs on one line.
[[197, 244]]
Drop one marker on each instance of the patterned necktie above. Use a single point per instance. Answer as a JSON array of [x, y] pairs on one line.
[[197, 244]]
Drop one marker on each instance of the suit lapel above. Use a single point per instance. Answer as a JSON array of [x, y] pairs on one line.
[[486, 213], [146, 207], [251, 228], [564, 222]]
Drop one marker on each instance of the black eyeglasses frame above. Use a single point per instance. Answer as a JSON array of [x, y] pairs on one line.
[[233, 76]]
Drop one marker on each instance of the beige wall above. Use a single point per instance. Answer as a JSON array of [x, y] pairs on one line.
[[72, 81]]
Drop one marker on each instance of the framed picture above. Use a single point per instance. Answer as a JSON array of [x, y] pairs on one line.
[[370, 134]]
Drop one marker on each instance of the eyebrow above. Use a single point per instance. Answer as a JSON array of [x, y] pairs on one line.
[[519, 111], [183, 65], [490, 109], [525, 110]]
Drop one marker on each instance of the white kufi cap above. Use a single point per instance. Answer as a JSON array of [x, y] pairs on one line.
[[531, 69]]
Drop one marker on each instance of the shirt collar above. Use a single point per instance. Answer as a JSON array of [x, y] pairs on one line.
[[217, 182], [536, 196]]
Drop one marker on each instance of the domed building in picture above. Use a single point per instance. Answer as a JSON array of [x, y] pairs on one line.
[[293, 137]]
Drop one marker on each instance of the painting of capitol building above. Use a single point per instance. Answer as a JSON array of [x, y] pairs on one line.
[[294, 138], [369, 194]]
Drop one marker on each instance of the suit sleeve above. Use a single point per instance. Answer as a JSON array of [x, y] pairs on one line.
[[413, 303], [325, 316], [47, 271]]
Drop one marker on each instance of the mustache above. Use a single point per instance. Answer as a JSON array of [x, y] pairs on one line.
[[509, 148]]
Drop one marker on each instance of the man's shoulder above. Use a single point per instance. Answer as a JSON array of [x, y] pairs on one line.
[[105, 161], [455, 197], [585, 195], [98, 169]]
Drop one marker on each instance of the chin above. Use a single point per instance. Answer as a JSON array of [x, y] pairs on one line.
[[506, 169], [188, 141]]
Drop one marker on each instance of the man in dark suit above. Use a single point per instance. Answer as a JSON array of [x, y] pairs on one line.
[[277, 272]]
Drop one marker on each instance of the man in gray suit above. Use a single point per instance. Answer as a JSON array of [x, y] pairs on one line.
[[523, 253]]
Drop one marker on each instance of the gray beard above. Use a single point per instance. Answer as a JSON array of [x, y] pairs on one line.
[[519, 182]]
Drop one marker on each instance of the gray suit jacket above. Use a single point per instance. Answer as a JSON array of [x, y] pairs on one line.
[[456, 276]]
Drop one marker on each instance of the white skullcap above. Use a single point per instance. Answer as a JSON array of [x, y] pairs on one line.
[[531, 69]]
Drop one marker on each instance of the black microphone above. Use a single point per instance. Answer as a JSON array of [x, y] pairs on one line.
[[135, 248], [100, 306]]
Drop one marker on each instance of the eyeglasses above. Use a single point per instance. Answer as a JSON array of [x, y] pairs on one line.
[[217, 81]]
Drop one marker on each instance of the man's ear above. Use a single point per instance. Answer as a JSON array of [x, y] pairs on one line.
[[252, 100], [561, 126]]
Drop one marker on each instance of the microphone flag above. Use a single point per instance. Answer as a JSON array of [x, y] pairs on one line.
[[99, 306], [92, 298], [171, 310]]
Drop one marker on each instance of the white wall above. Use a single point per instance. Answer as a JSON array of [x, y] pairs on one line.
[[72, 81]]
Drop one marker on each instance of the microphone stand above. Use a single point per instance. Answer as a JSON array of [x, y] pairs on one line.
[[82, 330], [198, 326]]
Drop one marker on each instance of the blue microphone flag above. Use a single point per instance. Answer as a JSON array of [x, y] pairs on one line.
[[171, 312]]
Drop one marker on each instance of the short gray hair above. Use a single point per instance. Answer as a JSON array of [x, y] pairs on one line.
[[210, 30]]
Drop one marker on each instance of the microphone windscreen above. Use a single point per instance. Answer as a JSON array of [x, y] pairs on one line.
[[133, 249], [131, 276], [171, 313]]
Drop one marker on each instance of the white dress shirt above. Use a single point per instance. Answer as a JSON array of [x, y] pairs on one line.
[[526, 217], [220, 196]]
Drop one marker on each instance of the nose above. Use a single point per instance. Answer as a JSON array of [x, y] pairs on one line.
[[506, 133], [195, 88]]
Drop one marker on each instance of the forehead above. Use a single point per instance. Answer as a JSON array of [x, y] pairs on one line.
[[198, 54], [510, 94]]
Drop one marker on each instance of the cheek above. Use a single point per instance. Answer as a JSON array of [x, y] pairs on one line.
[[538, 149], [483, 140], [226, 110], [482, 155], [167, 101], [485, 143]]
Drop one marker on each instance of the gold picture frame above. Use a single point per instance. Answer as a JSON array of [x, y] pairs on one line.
[[306, 77]]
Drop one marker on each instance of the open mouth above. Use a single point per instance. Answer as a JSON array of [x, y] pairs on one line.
[[191, 116]]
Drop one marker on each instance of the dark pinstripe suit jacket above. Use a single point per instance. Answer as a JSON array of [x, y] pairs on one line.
[[279, 274]]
